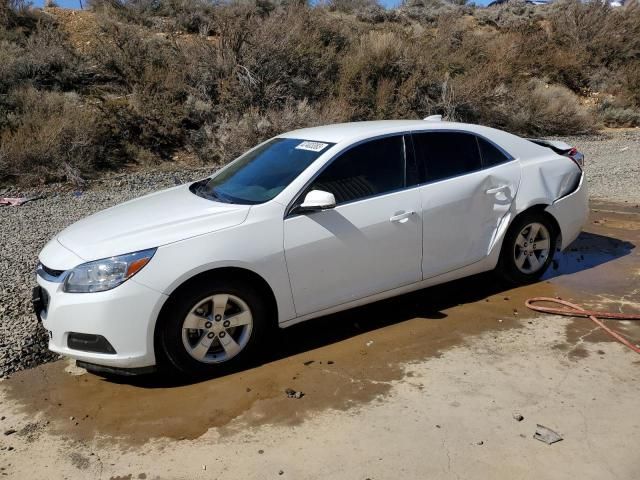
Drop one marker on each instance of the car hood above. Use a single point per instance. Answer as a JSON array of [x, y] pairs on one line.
[[150, 221]]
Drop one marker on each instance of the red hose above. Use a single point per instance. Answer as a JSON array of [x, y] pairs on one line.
[[577, 311]]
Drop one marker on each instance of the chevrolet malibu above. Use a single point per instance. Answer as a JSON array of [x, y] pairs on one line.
[[308, 223]]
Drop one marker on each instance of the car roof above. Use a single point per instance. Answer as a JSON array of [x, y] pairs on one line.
[[339, 132], [350, 132]]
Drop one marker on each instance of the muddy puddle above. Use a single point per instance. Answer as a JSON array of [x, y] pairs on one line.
[[344, 360]]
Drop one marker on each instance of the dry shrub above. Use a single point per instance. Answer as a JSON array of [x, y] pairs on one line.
[[148, 71], [511, 15], [214, 78], [52, 137], [290, 55], [231, 136], [430, 11], [351, 6], [42, 59], [541, 109], [371, 72], [613, 114]]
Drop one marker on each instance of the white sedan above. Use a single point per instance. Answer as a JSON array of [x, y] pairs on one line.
[[308, 223]]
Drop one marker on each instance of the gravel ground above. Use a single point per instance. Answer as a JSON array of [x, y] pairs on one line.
[[26, 229], [612, 164], [613, 168]]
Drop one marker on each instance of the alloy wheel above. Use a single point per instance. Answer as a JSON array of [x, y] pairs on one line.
[[217, 328], [531, 248]]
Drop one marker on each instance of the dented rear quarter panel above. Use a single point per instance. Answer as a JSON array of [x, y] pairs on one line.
[[558, 183]]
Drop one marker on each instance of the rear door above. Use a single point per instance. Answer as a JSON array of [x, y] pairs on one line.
[[469, 187], [370, 242]]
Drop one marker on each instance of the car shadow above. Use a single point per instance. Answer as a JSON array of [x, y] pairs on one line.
[[589, 250]]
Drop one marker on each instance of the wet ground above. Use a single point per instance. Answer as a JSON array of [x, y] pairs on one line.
[[342, 363]]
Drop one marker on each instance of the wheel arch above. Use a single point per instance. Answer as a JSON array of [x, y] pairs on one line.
[[236, 273], [542, 208]]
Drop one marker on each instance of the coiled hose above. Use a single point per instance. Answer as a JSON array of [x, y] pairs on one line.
[[577, 311]]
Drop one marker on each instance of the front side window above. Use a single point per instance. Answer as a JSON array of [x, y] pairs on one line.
[[261, 174], [447, 154], [368, 169]]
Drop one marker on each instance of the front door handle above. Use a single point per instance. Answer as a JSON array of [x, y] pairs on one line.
[[496, 189], [401, 217]]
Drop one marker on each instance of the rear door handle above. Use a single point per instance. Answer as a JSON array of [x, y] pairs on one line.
[[401, 217], [496, 189]]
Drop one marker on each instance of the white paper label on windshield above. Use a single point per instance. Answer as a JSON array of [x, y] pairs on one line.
[[311, 146]]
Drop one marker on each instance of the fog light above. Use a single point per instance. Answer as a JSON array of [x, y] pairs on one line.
[[89, 343]]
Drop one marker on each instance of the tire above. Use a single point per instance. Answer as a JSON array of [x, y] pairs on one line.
[[229, 318], [521, 261]]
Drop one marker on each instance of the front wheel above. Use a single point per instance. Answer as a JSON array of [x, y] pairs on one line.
[[527, 249], [213, 328]]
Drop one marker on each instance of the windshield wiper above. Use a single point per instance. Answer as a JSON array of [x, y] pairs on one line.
[[210, 194]]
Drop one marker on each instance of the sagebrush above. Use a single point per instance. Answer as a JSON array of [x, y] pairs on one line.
[[144, 81]]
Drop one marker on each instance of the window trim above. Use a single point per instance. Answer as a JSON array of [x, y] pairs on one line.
[[422, 168], [288, 211]]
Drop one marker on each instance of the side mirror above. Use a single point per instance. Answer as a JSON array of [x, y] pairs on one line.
[[317, 200]]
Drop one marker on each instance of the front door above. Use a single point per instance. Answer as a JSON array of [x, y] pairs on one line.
[[370, 242]]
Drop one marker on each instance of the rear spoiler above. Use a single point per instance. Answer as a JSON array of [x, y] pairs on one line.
[[557, 146], [561, 148]]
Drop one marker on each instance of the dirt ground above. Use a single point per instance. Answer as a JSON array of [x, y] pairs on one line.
[[421, 386]]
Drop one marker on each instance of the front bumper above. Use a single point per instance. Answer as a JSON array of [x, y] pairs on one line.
[[124, 316]]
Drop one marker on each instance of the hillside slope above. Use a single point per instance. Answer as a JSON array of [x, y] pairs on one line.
[[139, 83]]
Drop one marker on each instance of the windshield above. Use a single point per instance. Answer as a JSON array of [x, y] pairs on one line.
[[261, 174]]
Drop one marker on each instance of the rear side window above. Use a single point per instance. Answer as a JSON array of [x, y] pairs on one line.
[[447, 154], [369, 169], [491, 155]]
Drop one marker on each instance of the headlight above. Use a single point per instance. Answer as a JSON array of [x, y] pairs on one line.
[[107, 273]]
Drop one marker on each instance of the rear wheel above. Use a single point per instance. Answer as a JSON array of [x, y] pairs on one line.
[[213, 328], [527, 249]]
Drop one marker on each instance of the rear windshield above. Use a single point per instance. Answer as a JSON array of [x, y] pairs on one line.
[[261, 174]]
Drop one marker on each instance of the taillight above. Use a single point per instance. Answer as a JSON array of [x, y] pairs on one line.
[[576, 156]]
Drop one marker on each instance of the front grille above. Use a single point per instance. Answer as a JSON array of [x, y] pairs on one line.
[[45, 299], [49, 274], [51, 271]]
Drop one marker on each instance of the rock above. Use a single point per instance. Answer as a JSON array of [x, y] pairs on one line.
[[546, 435], [308, 362], [518, 417], [291, 393], [11, 431]]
